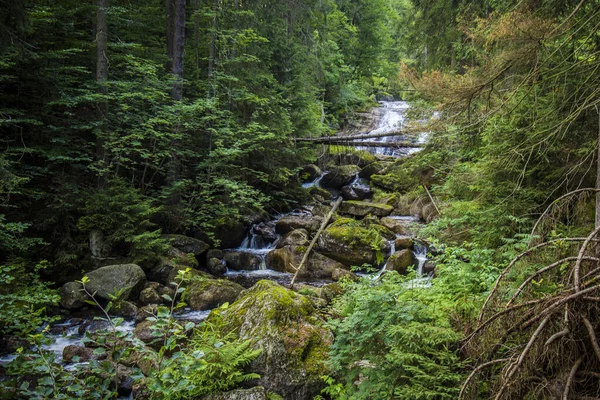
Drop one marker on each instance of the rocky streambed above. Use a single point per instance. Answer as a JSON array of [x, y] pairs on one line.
[[371, 233]]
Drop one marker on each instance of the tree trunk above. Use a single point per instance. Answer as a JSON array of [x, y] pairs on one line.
[[211, 54], [101, 78], [178, 49], [170, 13], [598, 174]]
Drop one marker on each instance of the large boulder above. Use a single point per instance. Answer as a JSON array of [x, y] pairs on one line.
[[320, 192], [206, 294], [309, 173], [288, 258], [187, 244], [357, 190], [240, 260], [400, 261], [72, 296], [398, 226], [404, 242], [339, 176], [230, 234], [352, 243], [293, 340], [124, 281], [363, 208], [255, 393], [297, 237], [373, 168], [291, 222], [216, 267]]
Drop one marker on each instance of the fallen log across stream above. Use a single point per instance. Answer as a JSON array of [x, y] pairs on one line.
[[394, 145]]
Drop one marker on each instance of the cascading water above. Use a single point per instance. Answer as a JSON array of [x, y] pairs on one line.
[[316, 182]]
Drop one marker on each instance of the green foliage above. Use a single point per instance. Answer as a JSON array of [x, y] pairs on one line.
[[23, 298], [209, 363], [393, 341], [122, 215]]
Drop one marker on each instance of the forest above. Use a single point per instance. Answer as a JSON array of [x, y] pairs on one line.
[[299, 199]]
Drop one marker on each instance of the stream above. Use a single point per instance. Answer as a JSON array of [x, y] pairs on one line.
[[262, 239]]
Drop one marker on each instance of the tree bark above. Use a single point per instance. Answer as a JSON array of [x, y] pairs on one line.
[[598, 174], [101, 78], [178, 49], [170, 13]]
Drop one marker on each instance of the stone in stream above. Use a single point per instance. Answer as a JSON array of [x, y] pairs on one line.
[[72, 296], [291, 222], [242, 261], [255, 393], [84, 353], [288, 258], [353, 243], [216, 267], [404, 242], [293, 339], [207, 294], [124, 280], [297, 237], [429, 267], [341, 273], [230, 234], [395, 225], [187, 244], [373, 168], [150, 296], [266, 231], [363, 208], [339, 176], [400, 261], [317, 191], [309, 173]]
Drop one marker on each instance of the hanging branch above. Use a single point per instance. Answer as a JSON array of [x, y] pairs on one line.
[[312, 243]]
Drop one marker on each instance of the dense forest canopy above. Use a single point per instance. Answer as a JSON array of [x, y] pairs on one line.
[[122, 121]]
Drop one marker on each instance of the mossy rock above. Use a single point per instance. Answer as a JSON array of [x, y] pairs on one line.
[[124, 280], [352, 243], [363, 208], [288, 258], [294, 341], [297, 237], [319, 191], [206, 294], [190, 276], [309, 173], [400, 177], [339, 176], [255, 393], [373, 168], [395, 225], [404, 242], [290, 222], [400, 261], [187, 244], [242, 261], [360, 158]]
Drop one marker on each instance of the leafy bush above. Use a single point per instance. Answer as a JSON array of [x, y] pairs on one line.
[[393, 341]]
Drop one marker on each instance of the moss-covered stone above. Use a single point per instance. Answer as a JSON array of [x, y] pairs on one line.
[[395, 225], [339, 176], [404, 242], [297, 237], [124, 280], [319, 191], [288, 258], [352, 243], [293, 340], [400, 261], [206, 294], [363, 208], [291, 222], [187, 244]]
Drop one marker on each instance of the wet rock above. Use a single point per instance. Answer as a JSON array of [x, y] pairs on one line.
[[373, 168], [242, 261], [161, 270], [72, 296], [150, 296], [352, 243], [145, 333], [125, 280], [124, 379], [211, 293], [297, 237], [152, 285], [404, 242], [309, 173], [255, 393], [340, 176], [266, 230], [429, 267], [395, 225], [363, 208], [288, 258], [147, 311], [293, 340], [341, 273], [85, 354], [348, 193], [318, 191], [216, 267], [214, 253], [230, 234], [126, 309], [187, 244], [362, 189], [174, 277], [320, 210], [291, 222], [178, 257], [166, 291], [400, 261]]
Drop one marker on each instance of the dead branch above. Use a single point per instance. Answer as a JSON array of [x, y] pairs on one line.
[[580, 257], [475, 371], [571, 378], [514, 261], [522, 356], [557, 336], [312, 243], [555, 202], [592, 335], [545, 269]]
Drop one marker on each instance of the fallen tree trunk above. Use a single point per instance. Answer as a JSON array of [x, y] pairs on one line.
[[312, 243], [323, 139]]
